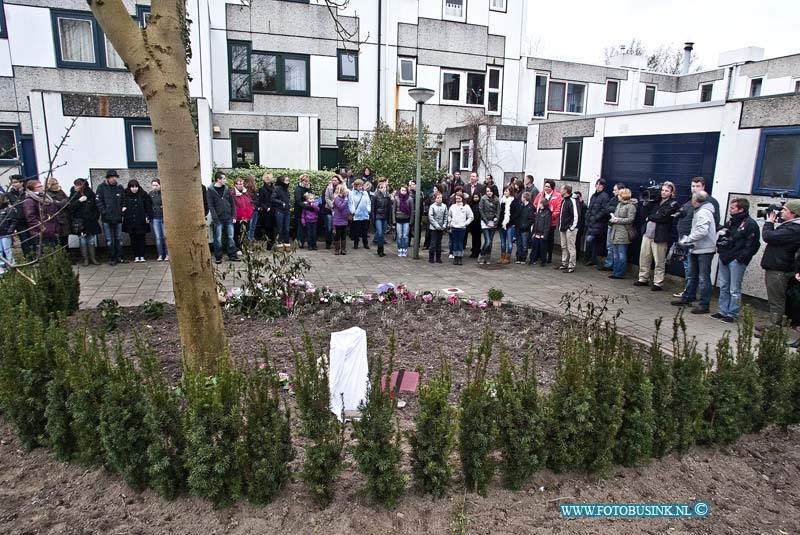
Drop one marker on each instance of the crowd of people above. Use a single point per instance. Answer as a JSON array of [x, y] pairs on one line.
[[350, 208]]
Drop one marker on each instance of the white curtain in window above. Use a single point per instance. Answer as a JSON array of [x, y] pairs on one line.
[[295, 74], [112, 58], [144, 143], [454, 8], [76, 39]]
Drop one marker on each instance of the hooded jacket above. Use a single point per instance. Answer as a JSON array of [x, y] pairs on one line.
[[437, 216], [460, 216], [360, 204], [743, 240], [221, 205], [84, 214], [489, 209], [704, 231], [341, 211], [626, 215], [569, 217], [280, 197], [661, 214], [555, 206], [138, 212], [783, 241], [109, 202], [597, 215]]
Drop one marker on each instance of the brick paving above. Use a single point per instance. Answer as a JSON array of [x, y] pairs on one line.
[[541, 287]]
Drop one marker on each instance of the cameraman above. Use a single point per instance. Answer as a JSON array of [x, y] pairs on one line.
[[703, 237], [783, 241], [685, 225], [737, 242], [658, 226]]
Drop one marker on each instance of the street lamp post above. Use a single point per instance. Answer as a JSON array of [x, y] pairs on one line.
[[421, 96]]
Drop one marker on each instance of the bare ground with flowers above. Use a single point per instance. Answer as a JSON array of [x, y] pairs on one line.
[[752, 486]]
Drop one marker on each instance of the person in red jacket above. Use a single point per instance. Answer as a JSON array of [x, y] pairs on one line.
[[553, 199], [243, 203]]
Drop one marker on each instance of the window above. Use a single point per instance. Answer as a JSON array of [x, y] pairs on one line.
[[451, 86], [245, 148], [494, 91], [140, 143], [476, 84], [407, 71], [345, 148], [575, 97], [706, 91], [540, 96], [566, 97], [778, 162], [8, 144], [466, 156], [797, 86], [143, 15], [755, 87], [3, 29], [455, 161], [571, 164], [497, 5], [80, 43], [455, 10], [612, 92], [649, 95], [266, 72], [348, 65]]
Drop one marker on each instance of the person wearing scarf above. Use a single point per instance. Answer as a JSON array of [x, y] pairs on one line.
[[402, 216], [41, 216], [54, 191], [509, 206]]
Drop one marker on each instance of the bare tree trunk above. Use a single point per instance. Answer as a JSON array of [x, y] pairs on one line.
[[156, 56]]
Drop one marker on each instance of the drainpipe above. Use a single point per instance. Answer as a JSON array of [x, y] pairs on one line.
[[728, 90], [378, 105], [687, 57]]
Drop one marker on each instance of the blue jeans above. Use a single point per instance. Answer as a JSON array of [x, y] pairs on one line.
[[619, 252], [251, 228], [113, 233], [5, 253], [457, 239], [590, 248], [88, 240], [380, 232], [488, 237], [699, 277], [282, 220], [218, 239], [158, 234], [507, 239], [523, 240], [730, 288], [402, 236], [609, 248], [328, 228]]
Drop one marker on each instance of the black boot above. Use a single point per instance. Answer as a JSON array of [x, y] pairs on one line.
[[439, 256], [380, 251], [431, 256]]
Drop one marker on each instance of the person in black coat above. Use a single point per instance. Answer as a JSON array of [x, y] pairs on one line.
[[569, 220], [656, 233], [737, 242], [84, 216], [137, 212], [266, 214], [596, 222], [783, 242], [300, 191], [524, 223], [109, 204], [281, 205]]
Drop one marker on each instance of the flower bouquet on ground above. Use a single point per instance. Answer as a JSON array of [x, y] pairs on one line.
[[495, 296]]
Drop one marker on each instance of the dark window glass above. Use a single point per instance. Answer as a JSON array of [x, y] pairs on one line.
[[295, 73], [8, 144], [348, 65], [575, 94], [781, 163], [494, 79], [406, 70], [245, 149], [540, 96], [476, 83], [265, 72], [555, 101], [494, 101], [572, 159], [612, 88], [240, 86], [650, 95], [755, 87], [239, 55], [705, 92], [451, 86]]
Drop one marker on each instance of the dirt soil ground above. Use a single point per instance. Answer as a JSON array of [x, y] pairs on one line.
[[751, 487]]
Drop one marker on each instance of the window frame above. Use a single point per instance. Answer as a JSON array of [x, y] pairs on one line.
[[762, 147], [462, 18], [130, 124], [339, 76], [15, 129], [567, 85], [655, 92], [256, 149], [232, 71], [546, 94], [497, 9], [100, 62], [760, 81], [616, 92], [3, 27], [467, 74], [462, 89], [461, 146], [566, 141], [795, 88], [280, 75], [710, 94], [413, 61], [498, 90], [142, 14]]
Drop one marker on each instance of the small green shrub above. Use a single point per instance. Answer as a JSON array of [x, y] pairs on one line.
[[324, 432], [152, 309], [605, 346], [166, 442], [319, 179], [60, 437], [772, 357], [378, 450], [266, 436], [212, 424], [690, 394], [660, 374], [725, 418], [494, 294], [478, 427], [520, 421], [787, 407], [433, 438], [635, 437], [109, 313], [123, 431], [749, 375]]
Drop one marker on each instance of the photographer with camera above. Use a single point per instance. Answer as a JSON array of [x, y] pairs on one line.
[[737, 242], [703, 238], [655, 237], [778, 262], [685, 217]]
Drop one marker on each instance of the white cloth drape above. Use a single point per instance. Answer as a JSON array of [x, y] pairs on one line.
[[77, 43], [349, 369]]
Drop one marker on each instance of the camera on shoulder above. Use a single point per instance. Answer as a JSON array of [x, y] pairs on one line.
[[766, 208]]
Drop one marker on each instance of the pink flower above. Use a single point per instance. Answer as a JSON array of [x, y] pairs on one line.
[[472, 303], [310, 291], [262, 366], [452, 299], [427, 298], [483, 304], [367, 297], [394, 299]]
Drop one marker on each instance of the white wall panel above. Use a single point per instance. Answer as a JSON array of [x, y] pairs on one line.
[[30, 33]]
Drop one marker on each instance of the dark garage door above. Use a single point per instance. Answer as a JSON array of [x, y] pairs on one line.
[[636, 160]]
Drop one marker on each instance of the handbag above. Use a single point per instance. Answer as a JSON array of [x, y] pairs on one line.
[[77, 227], [632, 233]]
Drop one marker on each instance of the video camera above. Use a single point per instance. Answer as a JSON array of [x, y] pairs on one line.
[[650, 193], [766, 208]]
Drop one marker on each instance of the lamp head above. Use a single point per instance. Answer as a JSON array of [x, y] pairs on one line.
[[420, 94]]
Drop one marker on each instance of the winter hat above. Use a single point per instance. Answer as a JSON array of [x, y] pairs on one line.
[[793, 205]]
